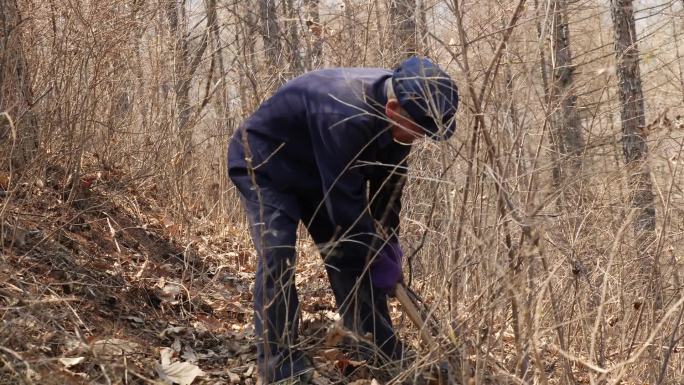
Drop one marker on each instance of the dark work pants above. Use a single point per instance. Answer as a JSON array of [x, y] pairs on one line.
[[276, 305]]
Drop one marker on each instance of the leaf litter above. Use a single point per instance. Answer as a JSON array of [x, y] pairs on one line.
[[176, 372], [145, 302], [76, 296]]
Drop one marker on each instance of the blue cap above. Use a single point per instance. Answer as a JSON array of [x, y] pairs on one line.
[[428, 94]]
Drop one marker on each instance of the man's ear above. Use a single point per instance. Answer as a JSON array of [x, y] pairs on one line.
[[392, 109]]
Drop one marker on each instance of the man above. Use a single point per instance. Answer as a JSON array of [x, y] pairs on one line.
[[329, 149]]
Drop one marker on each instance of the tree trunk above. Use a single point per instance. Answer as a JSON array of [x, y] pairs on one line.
[[675, 38], [634, 145], [403, 28], [181, 75], [245, 36], [314, 54], [292, 24], [348, 46], [18, 125], [270, 33], [568, 139], [543, 66], [423, 29], [224, 103], [186, 63]]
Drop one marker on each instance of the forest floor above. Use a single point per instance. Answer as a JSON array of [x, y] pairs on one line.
[[103, 288]]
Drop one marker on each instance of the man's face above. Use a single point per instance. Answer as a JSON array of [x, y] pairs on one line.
[[404, 129]]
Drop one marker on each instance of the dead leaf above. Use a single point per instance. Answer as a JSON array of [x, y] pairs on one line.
[[249, 371], [320, 380], [4, 181], [173, 331], [113, 347], [71, 361], [183, 373], [332, 354], [233, 378], [171, 289], [33, 375], [176, 345], [337, 333], [189, 355], [14, 234], [170, 292], [346, 366], [165, 356], [134, 319]]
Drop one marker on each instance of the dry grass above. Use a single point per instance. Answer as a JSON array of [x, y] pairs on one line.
[[531, 282]]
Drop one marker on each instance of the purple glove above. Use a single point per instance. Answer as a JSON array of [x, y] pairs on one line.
[[385, 271]]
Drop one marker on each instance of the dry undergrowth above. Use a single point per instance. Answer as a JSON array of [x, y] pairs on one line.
[[105, 268], [108, 279], [101, 289]]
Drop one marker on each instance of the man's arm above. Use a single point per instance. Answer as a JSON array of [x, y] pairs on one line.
[[385, 191], [338, 141]]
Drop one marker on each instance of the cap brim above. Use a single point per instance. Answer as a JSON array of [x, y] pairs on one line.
[[435, 131]]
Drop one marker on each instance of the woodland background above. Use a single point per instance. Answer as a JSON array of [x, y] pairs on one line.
[[545, 237]]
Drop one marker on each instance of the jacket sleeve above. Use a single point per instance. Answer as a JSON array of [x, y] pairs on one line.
[[337, 145], [385, 191]]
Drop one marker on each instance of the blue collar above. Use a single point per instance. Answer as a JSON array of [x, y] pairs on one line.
[[384, 137]]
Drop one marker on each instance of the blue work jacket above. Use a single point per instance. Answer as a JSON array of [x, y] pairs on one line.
[[326, 132]]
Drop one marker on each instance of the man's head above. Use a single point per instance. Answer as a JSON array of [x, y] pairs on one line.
[[421, 101]]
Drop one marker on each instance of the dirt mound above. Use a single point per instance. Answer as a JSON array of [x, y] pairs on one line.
[[101, 290]]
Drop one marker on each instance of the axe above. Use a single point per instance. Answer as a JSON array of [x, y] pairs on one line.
[[412, 310]]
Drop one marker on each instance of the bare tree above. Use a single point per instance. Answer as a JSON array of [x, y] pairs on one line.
[[675, 40], [293, 42], [349, 52], [543, 62], [632, 112], [175, 13], [186, 63], [423, 29], [270, 33], [567, 135], [403, 37], [314, 53], [246, 33], [18, 126]]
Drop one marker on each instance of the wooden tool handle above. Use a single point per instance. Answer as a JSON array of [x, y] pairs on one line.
[[414, 314]]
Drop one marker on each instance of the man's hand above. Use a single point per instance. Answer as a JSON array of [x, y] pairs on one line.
[[385, 270]]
